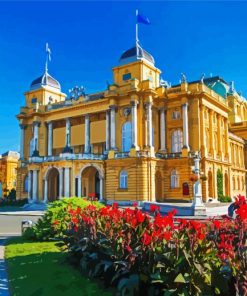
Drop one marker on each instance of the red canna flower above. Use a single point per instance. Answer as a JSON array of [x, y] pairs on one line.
[[55, 222], [146, 239]]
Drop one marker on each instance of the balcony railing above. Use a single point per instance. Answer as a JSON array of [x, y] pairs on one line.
[[67, 156], [121, 154], [169, 155]]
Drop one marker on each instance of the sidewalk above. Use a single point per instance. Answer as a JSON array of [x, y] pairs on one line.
[[4, 289]]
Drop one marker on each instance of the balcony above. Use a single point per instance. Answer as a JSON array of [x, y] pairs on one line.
[[121, 154], [67, 156]]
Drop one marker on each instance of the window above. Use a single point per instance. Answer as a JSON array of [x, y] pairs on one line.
[[126, 76], [177, 141], [174, 179], [34, 100], [25, 184], [123, 180], [126, 136], [175, 115]]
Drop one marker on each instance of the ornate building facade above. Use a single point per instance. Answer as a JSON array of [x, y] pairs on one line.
[[133, 141], [8, 172]]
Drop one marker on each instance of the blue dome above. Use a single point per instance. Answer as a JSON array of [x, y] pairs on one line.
[[134, 54], [45, 80]]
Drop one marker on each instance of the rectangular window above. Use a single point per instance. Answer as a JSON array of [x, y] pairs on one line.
[[34, 100], [175, 115], [126, 76]]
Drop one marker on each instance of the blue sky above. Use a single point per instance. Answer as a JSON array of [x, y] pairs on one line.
[[87, 39]]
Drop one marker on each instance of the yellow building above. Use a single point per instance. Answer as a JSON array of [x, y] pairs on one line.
[[134, 140], [8, 172]]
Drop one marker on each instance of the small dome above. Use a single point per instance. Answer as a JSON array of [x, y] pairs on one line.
[[45, 80], [136, 53]]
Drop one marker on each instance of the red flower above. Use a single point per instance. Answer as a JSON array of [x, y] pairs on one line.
[[217, 224], [146, 239], [115, 205], [242, 212], [154, 208], [55, 222], [74, 220], [140, 216], [167, 235], [135, 204], [128, 248]]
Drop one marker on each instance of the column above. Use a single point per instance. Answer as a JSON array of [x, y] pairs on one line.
[[226, 138], [35, 186], [46, 191], [61, 179], [29, 185], [107, 126], [134, 123], [50, 138], [162, 130], [219, 137], [66, 182], [185, 126], [101, 189], [211, 132], [36, 125], [113, 127], [149, 124], [22, 140], [87, 134], [79, 186], [203, 131]]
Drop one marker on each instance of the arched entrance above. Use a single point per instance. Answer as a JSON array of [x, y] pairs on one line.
[[226, 185], [158, 186], [53, 184], [90, 182], [210, 185]]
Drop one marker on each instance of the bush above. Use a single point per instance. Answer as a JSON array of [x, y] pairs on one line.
[[225, 199], [57, 213], [6, 202], [140, 256]]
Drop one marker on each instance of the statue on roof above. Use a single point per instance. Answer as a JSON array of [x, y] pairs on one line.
[[183, 78], [202, 78]]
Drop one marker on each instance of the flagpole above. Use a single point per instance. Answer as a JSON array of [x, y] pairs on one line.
[[136, 27], [46, 60]]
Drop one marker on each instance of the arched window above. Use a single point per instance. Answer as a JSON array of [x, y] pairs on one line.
[[123, 179], [126, 136], [31, 147], [174, 179], [177, 141], [25, 187]]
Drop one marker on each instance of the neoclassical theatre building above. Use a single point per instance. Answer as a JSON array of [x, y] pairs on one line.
[[135, 140]]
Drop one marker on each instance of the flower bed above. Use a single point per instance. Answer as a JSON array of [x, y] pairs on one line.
[[141, 255]]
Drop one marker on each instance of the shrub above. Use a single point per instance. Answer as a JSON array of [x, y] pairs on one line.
[[125, 248], [225, 198], [6, 202], [57, 213], [219, 184]]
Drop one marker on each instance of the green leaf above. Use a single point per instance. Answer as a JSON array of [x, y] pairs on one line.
[[180, 279]]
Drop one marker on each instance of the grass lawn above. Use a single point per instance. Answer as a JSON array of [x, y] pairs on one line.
[[41, 269]]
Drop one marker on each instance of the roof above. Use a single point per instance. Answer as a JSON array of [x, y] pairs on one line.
[[45, 80], [13, 154], [136, 53]]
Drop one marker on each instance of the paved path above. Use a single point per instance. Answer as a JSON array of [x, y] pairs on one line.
[[10, 224], [4, 289]]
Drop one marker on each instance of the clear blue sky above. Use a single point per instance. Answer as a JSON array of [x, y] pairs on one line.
[[87, 39]]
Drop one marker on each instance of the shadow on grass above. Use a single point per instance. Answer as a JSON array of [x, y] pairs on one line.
[[46, 273]]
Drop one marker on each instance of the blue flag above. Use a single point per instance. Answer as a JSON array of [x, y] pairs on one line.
[[142, 19]]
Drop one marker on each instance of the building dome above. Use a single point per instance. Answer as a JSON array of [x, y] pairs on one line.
[[45, 80], [134, 54]]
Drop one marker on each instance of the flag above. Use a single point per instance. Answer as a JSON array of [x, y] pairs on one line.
[[48, 51], [142, 19]]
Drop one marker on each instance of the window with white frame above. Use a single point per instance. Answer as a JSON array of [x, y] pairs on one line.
[[177, 141], [123, 180], [126, 136], [174, 179], [175, 114]]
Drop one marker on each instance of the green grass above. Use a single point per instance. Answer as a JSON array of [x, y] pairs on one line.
[[41, 269]]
